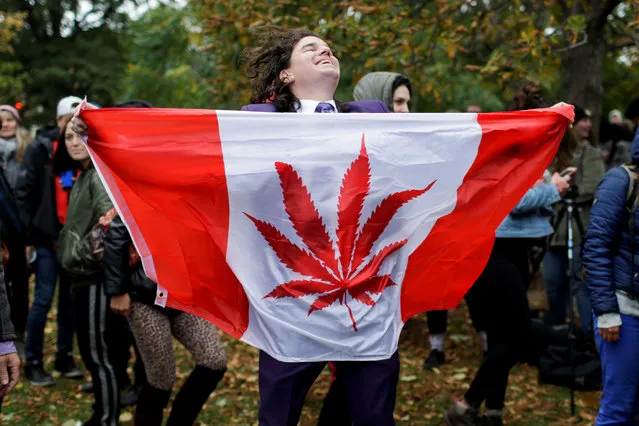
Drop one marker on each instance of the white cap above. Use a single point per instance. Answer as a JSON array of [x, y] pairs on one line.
[[67, 105]]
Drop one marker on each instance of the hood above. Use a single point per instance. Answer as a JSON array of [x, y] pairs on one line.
[[45, 137], [376, 85], [635, 148], [48, 132]]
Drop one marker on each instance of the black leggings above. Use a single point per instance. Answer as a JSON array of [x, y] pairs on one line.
[[500, 296]]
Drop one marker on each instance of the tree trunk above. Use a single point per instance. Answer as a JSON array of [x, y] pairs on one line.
[[582, 70]]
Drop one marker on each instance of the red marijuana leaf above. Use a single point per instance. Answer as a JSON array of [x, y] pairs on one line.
[[305, 217], [332, 280], [289, 254], [355, 186], [379, 220]]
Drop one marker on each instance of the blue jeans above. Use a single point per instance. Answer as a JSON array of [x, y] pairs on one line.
[[620, 397], [46, 270], [555, 263]]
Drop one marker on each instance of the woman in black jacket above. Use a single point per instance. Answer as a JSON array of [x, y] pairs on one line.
[[132, 294]]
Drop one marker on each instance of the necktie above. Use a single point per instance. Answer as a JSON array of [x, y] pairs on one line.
[[324, 107]]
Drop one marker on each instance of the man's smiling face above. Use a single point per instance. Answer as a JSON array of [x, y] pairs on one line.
[[311, 62]]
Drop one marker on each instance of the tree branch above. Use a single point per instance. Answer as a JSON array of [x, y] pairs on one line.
[[600, 16], [626, 36]]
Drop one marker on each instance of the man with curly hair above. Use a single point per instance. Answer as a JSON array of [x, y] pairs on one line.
[[296, 71]]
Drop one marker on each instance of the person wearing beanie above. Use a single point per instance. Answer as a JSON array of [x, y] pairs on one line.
[[391, 88], [43, 195]]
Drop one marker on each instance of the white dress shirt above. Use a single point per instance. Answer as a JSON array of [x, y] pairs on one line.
[[307, 106]]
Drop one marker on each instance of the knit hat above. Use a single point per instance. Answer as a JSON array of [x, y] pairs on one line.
[[581, 113], [13, 112]]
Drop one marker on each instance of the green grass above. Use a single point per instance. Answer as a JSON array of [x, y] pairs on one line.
[[422, 396]]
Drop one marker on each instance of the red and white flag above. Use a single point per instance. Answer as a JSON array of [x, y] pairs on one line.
[[315, 237]]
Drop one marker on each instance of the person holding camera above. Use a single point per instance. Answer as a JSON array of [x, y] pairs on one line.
[[611, 267], [586, 164]]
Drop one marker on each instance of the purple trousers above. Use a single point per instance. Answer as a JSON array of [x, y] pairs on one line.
[[371, 388]]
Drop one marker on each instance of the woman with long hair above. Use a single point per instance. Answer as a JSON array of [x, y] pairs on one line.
[[88, 203], [14, 140]]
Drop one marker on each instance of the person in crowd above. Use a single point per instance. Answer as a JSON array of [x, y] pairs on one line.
[[632, 114], [615, 117], [611, 263], [297, 71], [122, 346], [96, 327], [615, 138], [579, 153], [500, 292], [132, 294], [43, 198], [14, 140], [395, 91], [9, 359], [473, 108], [391, 88], [10, 228]]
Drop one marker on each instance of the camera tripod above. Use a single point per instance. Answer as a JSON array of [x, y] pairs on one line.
[[570, 210]]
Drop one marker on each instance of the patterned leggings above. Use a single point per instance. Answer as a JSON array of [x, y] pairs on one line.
[[154, 328]]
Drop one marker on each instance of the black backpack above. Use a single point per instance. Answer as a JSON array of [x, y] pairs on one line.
[[554, 368]]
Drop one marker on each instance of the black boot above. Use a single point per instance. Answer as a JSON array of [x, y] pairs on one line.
[[196, 390], [151, 404]]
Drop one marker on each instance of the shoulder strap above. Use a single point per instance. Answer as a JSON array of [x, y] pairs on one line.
[[632, 199]]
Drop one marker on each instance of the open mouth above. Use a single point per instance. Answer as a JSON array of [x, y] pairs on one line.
[[325, 62]]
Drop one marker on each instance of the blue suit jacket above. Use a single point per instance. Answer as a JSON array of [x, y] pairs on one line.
[[359, 106]]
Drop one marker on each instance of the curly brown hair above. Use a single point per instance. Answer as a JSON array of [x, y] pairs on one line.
[[529, 96], [267, 59]]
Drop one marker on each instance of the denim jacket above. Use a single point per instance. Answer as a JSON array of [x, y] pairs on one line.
[[529, 218]]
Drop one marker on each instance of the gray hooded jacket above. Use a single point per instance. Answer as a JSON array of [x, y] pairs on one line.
[[376, 85]]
